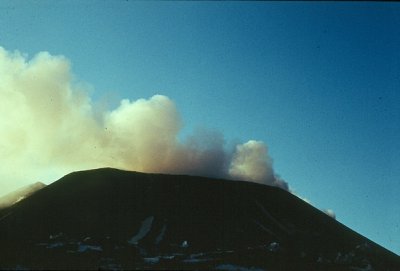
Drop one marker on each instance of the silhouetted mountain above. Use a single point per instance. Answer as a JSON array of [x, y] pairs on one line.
[[113, 219]]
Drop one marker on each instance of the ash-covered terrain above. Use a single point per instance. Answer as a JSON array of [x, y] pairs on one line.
[[113, 219]]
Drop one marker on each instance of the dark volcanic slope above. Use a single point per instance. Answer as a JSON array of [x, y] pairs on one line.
[[114, 219], [20, 194]]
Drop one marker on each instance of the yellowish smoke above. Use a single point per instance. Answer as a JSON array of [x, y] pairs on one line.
[[49, 127]]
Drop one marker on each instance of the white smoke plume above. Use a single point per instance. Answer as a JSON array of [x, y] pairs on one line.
[[49, 127], [330, 213], [251, 162]]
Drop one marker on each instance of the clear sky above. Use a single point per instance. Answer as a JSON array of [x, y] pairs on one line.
[[318, 82]]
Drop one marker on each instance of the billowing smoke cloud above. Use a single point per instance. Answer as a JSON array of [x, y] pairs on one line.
[[49, 127], [251, 162]]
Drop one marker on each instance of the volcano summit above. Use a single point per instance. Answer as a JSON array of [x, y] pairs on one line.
[[113, 219]]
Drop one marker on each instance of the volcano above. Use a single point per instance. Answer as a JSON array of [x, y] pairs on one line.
[[113, 219]]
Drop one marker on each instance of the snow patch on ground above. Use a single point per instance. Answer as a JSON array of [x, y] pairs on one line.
[[55, 236], [161, 235], [84, 248], [143, 231], [185, 244], [151, 260], [274, 247], [196, 260], [55, 245]]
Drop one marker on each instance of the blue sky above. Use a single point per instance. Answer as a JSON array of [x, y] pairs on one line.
[[319, 83]]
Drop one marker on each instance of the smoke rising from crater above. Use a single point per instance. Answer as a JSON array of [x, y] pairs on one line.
[[49, 127]]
